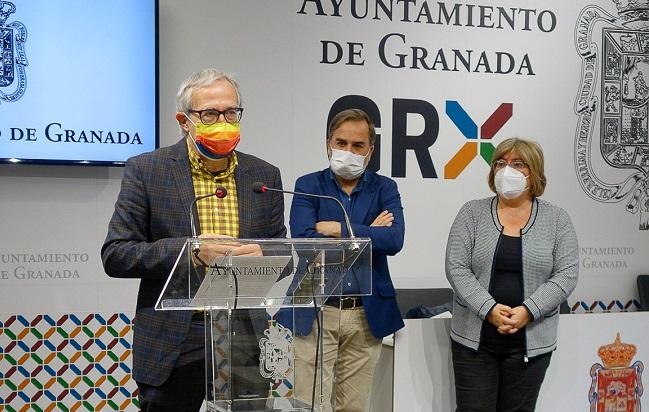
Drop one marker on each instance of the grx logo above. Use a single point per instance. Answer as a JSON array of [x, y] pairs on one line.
[[469, 129], [420, 144]]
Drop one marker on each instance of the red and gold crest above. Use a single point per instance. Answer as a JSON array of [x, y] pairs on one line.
[[616, 386]]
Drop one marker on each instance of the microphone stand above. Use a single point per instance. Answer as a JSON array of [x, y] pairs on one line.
[[220, 193], [259, 187]]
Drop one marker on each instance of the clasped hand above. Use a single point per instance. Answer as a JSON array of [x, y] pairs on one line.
[[508, 320]]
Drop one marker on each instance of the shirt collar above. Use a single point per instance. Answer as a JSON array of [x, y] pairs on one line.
[[197, 164], [359, 185]]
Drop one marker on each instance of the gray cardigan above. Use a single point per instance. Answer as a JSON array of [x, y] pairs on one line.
[[550, 256]]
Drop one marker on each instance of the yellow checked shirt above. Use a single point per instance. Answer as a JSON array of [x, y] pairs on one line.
[[220, 216]]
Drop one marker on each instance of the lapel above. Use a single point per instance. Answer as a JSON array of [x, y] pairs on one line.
[[244, 195], [180, 170], [330, 188], [364, 200]]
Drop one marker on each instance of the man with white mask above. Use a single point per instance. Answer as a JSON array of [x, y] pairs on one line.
[[353, 326]]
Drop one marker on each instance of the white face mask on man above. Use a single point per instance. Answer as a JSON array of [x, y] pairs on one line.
[[346, 164], [510, 183]]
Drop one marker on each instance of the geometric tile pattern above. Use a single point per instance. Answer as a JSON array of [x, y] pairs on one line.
[[220, 343], [283, 388], [69, 363], [83, 362], [604, 306]]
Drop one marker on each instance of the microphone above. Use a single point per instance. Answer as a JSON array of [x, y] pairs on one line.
[[220, 193], [259, 187]]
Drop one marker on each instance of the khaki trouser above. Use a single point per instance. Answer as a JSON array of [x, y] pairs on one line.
[[350, 350]]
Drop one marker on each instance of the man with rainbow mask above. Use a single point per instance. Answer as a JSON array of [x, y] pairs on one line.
[[151, 222]]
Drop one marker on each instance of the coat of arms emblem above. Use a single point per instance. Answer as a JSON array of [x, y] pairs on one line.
[[613, 105], [616, 386], [12, 54], [276, 359]]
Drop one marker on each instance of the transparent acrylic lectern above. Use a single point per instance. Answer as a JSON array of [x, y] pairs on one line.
[[262, 312]]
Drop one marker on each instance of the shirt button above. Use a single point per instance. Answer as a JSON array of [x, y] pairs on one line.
[[349, 284]]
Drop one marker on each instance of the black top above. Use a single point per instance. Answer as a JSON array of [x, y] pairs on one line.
[[506, 287]]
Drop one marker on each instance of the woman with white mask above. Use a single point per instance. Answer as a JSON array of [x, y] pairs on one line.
[[511, 259]]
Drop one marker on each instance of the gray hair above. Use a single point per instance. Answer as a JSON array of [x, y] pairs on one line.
[[198, 80]]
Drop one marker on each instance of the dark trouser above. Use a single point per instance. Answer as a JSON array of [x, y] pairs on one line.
[[490, 382], [183, 391], [247, 382]]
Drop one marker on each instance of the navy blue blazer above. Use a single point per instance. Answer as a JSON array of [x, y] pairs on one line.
[[379, 193], [148, 229]]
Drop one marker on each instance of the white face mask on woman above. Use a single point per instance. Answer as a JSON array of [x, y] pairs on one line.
[[346, 164], [510, 183]]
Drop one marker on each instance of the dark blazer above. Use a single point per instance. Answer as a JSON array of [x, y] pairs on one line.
[[379, 193], [148, 229]]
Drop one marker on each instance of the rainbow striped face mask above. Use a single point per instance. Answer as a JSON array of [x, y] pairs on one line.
[[218, 140]]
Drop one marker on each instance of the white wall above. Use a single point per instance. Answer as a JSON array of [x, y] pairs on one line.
[[423, 366], [275, 54]]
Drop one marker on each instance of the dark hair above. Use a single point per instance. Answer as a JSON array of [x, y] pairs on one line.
[[353, 115]]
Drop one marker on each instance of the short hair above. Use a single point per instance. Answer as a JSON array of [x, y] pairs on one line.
[[529, 152], [198, 80], [351, 115]]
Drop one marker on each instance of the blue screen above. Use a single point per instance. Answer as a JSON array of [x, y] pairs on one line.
[[78, 80]]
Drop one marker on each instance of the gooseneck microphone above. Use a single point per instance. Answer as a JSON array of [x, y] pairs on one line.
[[220, 193], [259, 187]]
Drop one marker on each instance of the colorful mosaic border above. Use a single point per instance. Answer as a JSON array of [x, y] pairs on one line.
[[605, 306], [70, 363], [83, 362]]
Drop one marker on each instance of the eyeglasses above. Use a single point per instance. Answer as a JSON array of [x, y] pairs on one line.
[[516, 164], [211, 116]]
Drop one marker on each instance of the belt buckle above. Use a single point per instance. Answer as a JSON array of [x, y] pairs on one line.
[[352, 298]]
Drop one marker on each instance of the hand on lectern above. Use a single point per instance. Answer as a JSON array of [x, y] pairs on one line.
[[250, 249], [224, 245]]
